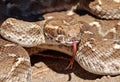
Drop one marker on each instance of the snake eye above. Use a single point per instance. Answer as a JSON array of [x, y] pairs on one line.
[[60, 38]]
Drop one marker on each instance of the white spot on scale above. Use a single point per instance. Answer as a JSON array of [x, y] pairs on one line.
[[21, 59], [117, 1], [8, 22], [88, 44], [11, 55], [17, 64], [97, 24], [7, 45], [50, 17], [118, 23], [116, 46], [69, 13], [88, 32], [100, 2], [98, 8], [60, 36], [65, 22], [51, 26], [33, 26]]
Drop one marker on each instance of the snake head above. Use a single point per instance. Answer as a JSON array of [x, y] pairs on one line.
[[64, 37], [64, 32], [67, 37]]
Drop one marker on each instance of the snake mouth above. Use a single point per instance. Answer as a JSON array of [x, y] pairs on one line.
[[67, 40], [62, 39], [71, 42]]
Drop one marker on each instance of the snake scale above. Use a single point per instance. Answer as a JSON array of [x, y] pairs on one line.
[[96, 52]]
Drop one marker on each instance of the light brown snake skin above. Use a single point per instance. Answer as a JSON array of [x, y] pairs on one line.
[[106, 9], [98, 49]]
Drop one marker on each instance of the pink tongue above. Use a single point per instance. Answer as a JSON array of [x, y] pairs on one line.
[[73, 55], [74, 48]]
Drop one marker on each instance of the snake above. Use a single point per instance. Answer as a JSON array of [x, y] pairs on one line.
[[92, 51]]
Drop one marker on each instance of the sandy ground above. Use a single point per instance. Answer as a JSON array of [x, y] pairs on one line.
[[50, 67]]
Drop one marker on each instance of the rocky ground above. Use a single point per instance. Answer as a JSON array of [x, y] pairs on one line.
[[52, 69]]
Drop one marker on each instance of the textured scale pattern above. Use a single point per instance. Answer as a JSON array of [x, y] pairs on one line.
[[15, 63], [96, 52], [30, 27], [104, 54], [106, 9]]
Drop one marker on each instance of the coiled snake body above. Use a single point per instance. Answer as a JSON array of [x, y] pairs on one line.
[[95, 53]]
